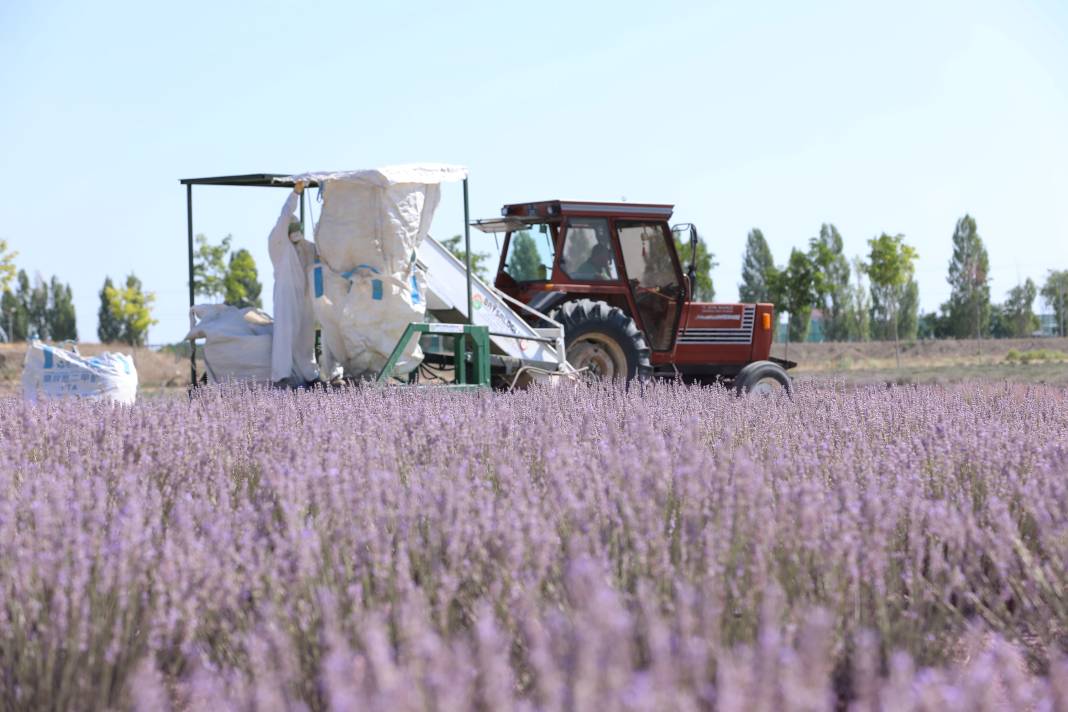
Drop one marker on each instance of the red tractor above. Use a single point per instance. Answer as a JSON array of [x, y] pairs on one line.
[[610, 274]]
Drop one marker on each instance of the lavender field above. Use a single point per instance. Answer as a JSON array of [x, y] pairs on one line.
[[571, 549]]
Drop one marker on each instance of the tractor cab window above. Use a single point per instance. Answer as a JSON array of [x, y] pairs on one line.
[[653, 278], [588, 254], [530, 254]]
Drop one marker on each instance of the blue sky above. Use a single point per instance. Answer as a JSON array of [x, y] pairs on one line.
[[897, 117]]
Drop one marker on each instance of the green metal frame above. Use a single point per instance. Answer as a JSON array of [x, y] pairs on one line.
[[480, 353]]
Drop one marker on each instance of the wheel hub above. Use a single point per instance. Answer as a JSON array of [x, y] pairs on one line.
[[599, 355]]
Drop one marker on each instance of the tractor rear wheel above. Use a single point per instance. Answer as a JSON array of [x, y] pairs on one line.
[[603, 340], [762, 378]]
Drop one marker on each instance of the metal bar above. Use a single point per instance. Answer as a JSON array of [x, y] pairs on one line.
[[302, 211], [459, 358], [467, 257], [539, 339], [391, 362], [189, 229]]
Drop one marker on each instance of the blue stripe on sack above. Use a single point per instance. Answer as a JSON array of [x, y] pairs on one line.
[[415, 291], [48, 356], [318, 277], [376, 289]]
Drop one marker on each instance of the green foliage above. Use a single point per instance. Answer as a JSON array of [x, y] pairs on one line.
[[1035, 356], [890, 268], [1017, 318], [209, 267], [44, 310], [61, 317], [131, 307], [909, 316], [108, 324], [934, 325], [704, 291], [858, 310], [16, 306], [478, 259], [241, 283], [969, 277], [758, 269], [1055, 293], [832, 282], [794, 290], [38, 309], [7, 267], [524, 262]]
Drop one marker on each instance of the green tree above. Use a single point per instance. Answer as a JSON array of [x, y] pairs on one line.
[[909, 318], [61, 317], [1018, 313], [209, 267], [758, 269], [890, 266], [17, 309], [858, 309], [131, 306], [705, 290], [242, 285], [524, 262], [1055, 294], [38, 309], [969, 277], [108, 324], [832, 282], [7, 267], [478, 259], [934, 325], [794, 290]]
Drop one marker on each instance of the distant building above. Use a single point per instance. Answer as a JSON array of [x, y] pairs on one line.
[[1047, 324], [815, 329]]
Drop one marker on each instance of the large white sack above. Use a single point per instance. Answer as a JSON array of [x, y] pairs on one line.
[[237, 342], [49, 372], [367, 287], [363, 315]]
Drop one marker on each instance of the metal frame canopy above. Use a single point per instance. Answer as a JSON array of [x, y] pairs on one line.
[[285, 180]]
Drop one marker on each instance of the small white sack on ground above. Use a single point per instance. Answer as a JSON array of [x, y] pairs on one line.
[[237, 342], [49, 373], [367, 288]]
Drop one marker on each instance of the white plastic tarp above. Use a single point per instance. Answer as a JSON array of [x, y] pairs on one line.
[[237, 342], [367, 287], [49, 373]]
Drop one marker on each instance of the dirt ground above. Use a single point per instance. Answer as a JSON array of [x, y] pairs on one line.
[[945, 361]]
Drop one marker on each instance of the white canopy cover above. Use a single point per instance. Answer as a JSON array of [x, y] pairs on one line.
[[367, 287]]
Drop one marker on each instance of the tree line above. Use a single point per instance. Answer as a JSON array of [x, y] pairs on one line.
[[876, 297]]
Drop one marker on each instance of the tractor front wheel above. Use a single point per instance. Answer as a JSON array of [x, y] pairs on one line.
[[603, 341], [762, 378]]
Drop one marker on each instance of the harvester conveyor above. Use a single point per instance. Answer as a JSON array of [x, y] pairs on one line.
[[510, 334]]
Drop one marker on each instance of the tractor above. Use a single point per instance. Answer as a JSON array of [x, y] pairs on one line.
[[610, 274]]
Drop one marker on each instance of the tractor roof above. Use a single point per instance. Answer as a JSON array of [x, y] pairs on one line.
[[555, 208]]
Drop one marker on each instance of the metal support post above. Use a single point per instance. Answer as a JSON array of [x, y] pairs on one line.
[[467, 257], [189, 227], [459, 358]]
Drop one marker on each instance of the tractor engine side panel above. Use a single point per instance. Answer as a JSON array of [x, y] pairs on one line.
[[723, 334]]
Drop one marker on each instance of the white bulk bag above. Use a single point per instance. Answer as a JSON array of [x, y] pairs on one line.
[[50, 372], [367, 288], [237, 342]]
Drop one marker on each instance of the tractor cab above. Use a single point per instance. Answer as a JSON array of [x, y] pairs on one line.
[[611, 275], [622, 253]]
